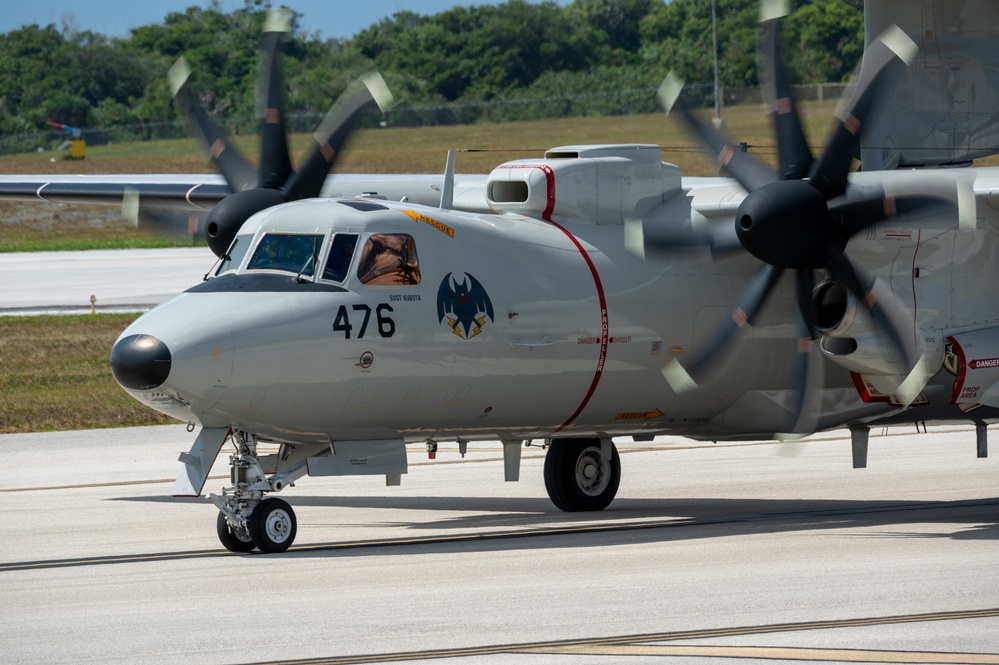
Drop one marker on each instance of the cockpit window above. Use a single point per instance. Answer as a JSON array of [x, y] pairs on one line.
[[292, 253], [341, 252], [389, 258], [237, 250]]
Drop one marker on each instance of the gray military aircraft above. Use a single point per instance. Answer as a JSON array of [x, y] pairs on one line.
[[587, 294]]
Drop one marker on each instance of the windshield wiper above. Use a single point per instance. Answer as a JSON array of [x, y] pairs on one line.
[[298, 277], [221, 259]]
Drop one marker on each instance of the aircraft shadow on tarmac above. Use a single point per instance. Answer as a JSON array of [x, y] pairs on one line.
[[515, 524]]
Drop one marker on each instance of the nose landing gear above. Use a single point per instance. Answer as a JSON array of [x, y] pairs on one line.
[[247, 520]]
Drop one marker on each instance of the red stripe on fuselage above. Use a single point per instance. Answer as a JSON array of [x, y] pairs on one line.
[[604, 326]]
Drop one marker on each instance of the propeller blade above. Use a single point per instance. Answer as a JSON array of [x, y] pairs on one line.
[[862, 288], [905, 195], [229, 162], [855, 215], [721, 239], [275, 164], [917, 373], [806, 407], [750, 173], [793, 156], [808, 376], [333, 133], [913, 384], [829, 174], [171, 222], [753, 297], [804, 286]]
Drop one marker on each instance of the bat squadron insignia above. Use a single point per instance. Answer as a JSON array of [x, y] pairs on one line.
[[464, 304]]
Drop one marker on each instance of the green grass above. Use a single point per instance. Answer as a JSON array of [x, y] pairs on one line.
[[54, 375], [34, 227], [82, 244]]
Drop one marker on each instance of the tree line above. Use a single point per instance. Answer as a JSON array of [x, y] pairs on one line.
[[487, 54]]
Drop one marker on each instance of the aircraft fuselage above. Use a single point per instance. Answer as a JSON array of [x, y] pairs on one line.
[[510, 327]]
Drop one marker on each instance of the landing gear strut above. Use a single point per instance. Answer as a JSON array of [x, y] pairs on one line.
[[246, 519], [582, 474]]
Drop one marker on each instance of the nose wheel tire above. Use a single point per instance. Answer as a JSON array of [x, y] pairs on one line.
[[272, 526], [234, 541], [579, 477]]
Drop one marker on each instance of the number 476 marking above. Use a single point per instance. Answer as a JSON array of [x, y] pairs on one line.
[[386, 326]]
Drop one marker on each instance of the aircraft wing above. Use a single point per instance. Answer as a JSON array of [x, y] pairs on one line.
[[174, 192], [199, 192], [182, 195]]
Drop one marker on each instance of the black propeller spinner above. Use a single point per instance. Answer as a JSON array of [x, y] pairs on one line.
[[274, 182], [799, 217]]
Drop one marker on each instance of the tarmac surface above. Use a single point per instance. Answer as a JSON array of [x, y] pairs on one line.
[[758, 552], [120, 280]]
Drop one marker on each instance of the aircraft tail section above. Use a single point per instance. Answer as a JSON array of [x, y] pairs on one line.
[[945, 109]]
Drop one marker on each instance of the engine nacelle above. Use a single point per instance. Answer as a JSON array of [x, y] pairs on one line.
[[596, 184], [228, 216], [850, 338]]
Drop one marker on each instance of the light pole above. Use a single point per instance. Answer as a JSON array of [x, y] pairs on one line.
[[718, 122]]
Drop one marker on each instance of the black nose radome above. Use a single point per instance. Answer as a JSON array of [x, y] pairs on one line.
[[140, 362]]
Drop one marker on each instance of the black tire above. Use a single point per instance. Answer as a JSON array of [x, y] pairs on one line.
[[273, 526], [231, 539], [578, 478]]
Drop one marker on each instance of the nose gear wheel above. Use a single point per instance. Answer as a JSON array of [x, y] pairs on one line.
[[234, 540], [272, 525]]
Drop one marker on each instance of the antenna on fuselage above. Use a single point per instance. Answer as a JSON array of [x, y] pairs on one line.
[[447, 191]]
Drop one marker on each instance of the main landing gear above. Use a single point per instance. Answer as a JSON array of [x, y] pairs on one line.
[[247, 520], [582, 474]]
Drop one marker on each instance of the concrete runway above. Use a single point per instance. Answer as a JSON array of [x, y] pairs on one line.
[[121, 280], [709, 553]]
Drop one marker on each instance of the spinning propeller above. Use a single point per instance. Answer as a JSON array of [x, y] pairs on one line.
[[801, 217], [274, 182]]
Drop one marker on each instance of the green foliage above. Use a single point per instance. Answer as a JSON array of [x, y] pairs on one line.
[[109, 113], [587, 52], [680, 36], [221, 48], [827, 37], [63, 107], [61, 77], [481, 52]]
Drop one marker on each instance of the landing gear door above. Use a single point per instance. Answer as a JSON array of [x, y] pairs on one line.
[[198, 461]]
